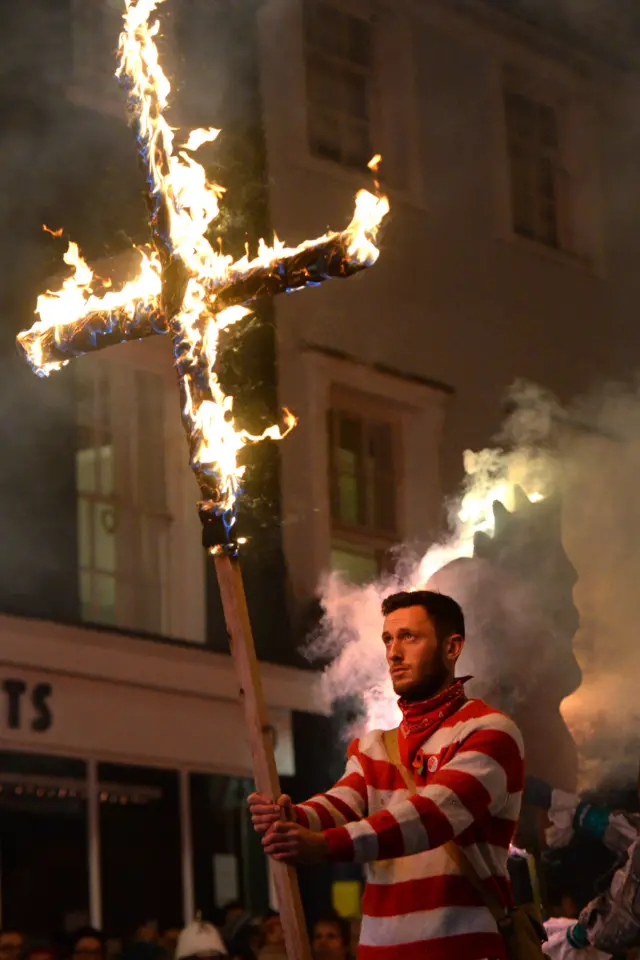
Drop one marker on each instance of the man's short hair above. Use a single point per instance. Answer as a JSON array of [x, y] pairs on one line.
[[445, 614]]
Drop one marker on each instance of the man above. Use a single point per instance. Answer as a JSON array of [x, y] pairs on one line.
[[87, 944], [467, 764]]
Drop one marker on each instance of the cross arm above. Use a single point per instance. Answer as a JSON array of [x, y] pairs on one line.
[[47, 349], [331, 256]]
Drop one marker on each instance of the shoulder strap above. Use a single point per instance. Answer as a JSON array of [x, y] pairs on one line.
[[390, 740], [391, 745]]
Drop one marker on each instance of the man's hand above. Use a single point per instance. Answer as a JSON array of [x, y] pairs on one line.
[[264, 812], [291, 843]]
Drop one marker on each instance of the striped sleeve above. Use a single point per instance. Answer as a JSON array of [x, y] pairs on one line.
[[346, 802], [483, 774]]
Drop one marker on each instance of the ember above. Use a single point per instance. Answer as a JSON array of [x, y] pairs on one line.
[[187, 289]]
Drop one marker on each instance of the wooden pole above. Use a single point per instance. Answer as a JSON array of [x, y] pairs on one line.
[[265, 773]]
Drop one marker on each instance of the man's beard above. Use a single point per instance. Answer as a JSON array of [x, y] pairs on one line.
[[437, 680]]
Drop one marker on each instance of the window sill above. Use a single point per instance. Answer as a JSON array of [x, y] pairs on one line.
[[357, 179], [563, 258]]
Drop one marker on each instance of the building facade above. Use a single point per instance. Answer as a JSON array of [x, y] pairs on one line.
[[506, 133]]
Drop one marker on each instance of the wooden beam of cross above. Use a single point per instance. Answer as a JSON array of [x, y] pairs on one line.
[[188, 290]]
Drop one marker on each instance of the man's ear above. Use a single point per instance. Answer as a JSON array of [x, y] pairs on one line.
[[453, 647]]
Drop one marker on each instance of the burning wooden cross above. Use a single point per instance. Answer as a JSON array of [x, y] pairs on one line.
[[187, 289]]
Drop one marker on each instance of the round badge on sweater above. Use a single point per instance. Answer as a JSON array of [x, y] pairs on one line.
[[432, 764]]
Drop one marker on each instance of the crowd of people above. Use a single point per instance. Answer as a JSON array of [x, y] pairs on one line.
[[240, 936]]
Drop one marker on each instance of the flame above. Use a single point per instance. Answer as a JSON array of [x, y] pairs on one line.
[[191, 204], [54, 233], [201, 136]]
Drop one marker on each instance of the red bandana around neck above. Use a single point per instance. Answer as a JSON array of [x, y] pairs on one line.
[[420, 720]]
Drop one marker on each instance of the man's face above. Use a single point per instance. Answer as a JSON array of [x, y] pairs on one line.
[[327, 943], [419, 664], [11, 944]]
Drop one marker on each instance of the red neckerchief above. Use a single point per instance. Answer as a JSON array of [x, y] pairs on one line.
[[422, 719]]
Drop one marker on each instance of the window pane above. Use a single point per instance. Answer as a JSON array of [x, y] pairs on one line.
[[150, 453], [86, 602], [382, 479], [104, 609], [104, 537], [324, 134], [548, 225], [327, 29], [86, 463], [140, 833], [520, 116], [363, 473], [43, 839], [548, 126], [105, 458], [229, 863], [356, 567], [356, 144], [359, 35], [324, 85], [85, 539], [522, 194], [355, 95], [348, 495], [351, 499]]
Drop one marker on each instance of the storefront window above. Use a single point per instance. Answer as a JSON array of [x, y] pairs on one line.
[[140, 848], [228, 861], [43, 843]]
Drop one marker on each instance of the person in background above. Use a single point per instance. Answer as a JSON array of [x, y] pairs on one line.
[[272, 945], [39, 950], [11, 943], [200, 940], [87, 944], [239, 931], [169, 941], [145, 944], [330, 938]]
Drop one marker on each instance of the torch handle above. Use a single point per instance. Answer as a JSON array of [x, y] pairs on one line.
[[265, 772]]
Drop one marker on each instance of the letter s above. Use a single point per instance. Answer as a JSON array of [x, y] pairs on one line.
[[39, 696]]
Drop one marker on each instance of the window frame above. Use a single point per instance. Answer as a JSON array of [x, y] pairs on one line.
[[535, 151], [336, 63], [365, 539], [132, 515], [558, 84]]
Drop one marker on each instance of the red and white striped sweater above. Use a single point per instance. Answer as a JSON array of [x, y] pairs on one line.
[[417, 904]]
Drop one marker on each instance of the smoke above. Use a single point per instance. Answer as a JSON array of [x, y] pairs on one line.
[[567, 539]]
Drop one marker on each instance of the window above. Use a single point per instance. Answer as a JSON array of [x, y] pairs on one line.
[[362, 484], [123, 520], [539, 182], [339, 66]]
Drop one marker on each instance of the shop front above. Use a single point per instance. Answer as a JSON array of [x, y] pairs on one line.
[[124, 773]]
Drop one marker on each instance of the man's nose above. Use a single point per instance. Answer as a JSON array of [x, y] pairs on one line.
[[393, 651]]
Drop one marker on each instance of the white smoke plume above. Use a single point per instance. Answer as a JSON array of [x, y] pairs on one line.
[[589, 455]]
